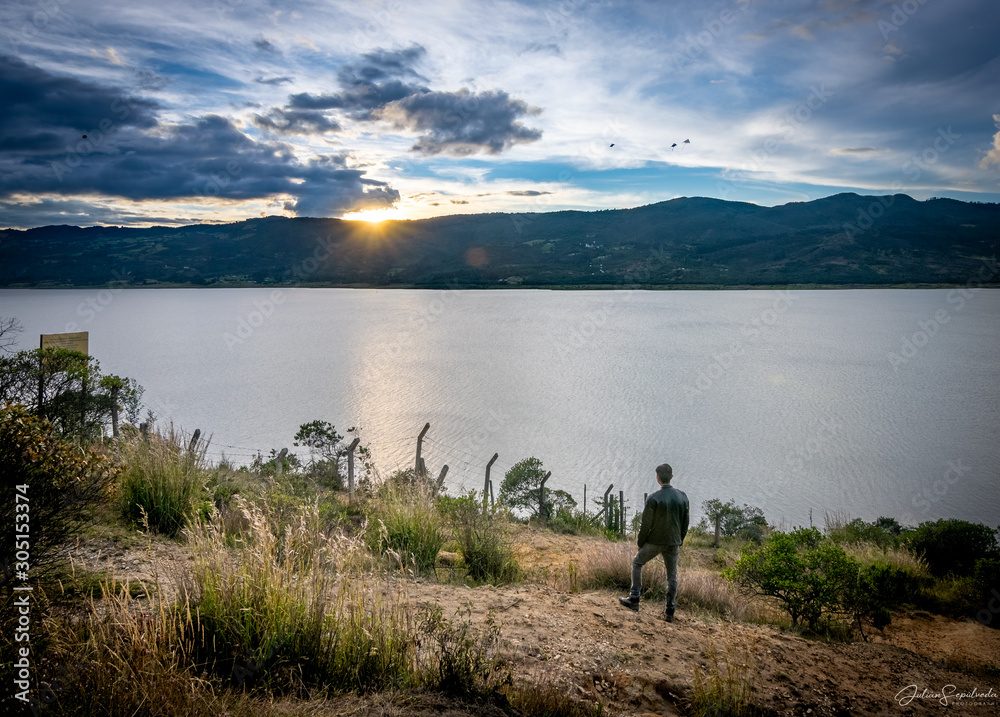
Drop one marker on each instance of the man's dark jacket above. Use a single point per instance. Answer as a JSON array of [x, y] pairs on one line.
[[665, 518]]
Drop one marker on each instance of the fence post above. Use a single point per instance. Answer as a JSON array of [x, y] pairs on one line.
[[440, 480], [194, 440], [114, 411], [144, 430], [718, 529], [418, 463], [487, 485], [279, 462], [584, 501], [621, 512], [350, 469], [493, 503], [607, 507], [541, 497]]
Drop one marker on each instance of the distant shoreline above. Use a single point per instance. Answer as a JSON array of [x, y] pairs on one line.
[[519, 287]]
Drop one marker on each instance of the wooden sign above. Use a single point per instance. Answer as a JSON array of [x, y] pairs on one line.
[[74, 342]]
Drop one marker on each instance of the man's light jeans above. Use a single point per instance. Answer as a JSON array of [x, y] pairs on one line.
[[646, 553]]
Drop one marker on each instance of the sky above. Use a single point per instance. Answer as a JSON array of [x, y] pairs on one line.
[[146, 113]]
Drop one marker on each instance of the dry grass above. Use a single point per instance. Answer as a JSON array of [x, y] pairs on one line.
[[869, 554], [609, 567], [728, 684]]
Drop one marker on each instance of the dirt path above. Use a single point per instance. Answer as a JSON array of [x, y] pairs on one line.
[[638, 664]]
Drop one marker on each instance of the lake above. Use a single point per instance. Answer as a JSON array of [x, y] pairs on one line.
[[864, 402]]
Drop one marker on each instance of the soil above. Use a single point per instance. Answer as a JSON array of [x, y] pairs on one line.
[[636, 663]]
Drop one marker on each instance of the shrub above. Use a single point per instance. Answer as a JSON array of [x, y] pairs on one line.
[[162, 483], [807, 575], [747, 522], [521, 485], [403, 519], [953, 546], [62, 484], [884, 532], [573, 522], [484, 540]]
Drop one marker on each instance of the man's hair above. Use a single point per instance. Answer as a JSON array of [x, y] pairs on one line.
[[664, 472]]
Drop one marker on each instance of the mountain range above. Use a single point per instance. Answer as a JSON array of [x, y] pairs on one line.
[[842, 240]]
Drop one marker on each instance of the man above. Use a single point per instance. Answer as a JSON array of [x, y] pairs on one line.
[[664, 525]]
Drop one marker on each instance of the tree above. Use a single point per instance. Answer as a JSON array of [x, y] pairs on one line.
[[806, 574], [62, 483], [9, 329], [67, 389], [747, 522], [520, 486], [953, 546]]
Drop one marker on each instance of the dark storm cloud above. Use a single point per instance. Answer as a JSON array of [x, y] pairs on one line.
[[382, 86], [44, 151], [42, 111], [383, 76], [305, 122], [462, 123], [361, 99]]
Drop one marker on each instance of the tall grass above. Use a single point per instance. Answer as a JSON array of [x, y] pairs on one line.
[[295, 605], [404, 520], [609, 566], [484, 539], [162, 480], [724, 689]]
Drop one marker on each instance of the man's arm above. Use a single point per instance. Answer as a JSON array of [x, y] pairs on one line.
[[647, 524], [685, 516]]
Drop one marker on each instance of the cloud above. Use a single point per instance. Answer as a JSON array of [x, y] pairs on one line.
[[859, 151], [304, 122], [549, 48], [525, 193], [129, 153], [264, 45], [383, 76], [993, 156], [273, 80], [382, 85], [43, 112], [463, 123]]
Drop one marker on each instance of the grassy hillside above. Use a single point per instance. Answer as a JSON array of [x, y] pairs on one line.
[[843, 239]]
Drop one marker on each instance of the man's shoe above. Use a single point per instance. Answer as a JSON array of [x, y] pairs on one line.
[[630, 602], [669, 616]]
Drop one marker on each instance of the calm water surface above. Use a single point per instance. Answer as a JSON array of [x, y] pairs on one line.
[[866, 402]]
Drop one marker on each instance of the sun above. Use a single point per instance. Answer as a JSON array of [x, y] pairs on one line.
[[374, 216]]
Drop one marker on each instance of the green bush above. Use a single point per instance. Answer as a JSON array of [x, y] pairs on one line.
[[884, 532], [162, 483], [484, 540], [807, 575], [574, 522], [403, 519], [953, 546], [746, 523], [62, 484]]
